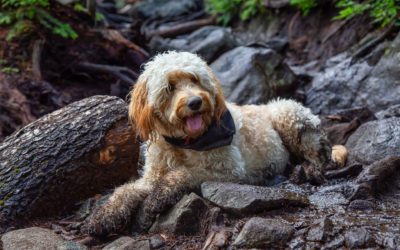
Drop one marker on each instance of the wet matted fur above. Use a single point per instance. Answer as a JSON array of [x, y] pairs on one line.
[[265, 134]]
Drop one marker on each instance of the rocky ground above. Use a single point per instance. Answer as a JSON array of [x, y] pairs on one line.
[[348, 74]]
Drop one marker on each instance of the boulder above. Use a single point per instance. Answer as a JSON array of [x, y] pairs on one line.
[[156, 9], [358, 238], [246, 199], [375, 140], [263, 233], [127, 243], [253, 75], [331, 89], [336, 243], [326, 200], [37, 238], [348, 83], [320, 230], [362, 205], [156, 241], [183, 218], [217, 239], [209, 42], [392, 111], [377, 178]]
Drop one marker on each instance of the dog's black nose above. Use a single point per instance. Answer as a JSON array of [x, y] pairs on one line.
[[194, 103]]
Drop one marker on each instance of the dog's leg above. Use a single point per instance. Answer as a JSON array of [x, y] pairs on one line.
[[166, 194], [300, 131], [116, 211]]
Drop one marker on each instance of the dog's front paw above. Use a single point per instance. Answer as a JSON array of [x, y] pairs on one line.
[[155, 203], [102, 221], [339, 155]]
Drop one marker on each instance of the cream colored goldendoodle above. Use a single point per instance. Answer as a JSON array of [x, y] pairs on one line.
[[193, 135]]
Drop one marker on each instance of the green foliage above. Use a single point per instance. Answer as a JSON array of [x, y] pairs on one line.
[[304, 5], [99, 17], [252, 8], [382, 11], [23, 15], [10, 70], [228, 9], [79, 7]]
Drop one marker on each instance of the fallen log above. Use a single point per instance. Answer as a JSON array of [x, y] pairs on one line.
[[64, 157]]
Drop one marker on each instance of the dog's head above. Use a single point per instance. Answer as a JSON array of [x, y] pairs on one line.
[[177, 95]]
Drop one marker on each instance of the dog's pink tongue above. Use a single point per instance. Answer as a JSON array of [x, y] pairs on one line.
[[194, 123]]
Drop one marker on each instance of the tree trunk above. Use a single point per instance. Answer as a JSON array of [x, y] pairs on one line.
[[64, 157]]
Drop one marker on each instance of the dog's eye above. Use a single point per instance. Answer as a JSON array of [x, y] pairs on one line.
[[193, 79], [171, 88]]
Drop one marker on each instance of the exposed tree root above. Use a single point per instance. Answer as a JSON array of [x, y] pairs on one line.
[[123, 73]]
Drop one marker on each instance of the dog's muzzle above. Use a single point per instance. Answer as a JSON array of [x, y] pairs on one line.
[[194, 103]]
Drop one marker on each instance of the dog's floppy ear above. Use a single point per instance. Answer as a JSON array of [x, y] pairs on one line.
[[141, 114], [220, 106]]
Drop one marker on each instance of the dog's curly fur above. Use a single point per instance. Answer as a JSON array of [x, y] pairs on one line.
[[265, 134]]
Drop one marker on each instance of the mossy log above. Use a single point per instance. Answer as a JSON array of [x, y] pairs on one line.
[[64, 157]]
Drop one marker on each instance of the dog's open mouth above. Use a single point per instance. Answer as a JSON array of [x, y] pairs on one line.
[[194, 123]]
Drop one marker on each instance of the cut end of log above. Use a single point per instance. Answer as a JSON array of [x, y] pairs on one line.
[[67, 156]]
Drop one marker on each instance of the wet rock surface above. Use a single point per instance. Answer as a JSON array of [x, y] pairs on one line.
[[378, 177], [328, 199], [245, 199], [251, 75], [183, 218], [358, 238], [375, 140], [209, 42], [37, 238], [320, 230], [350, 84], [392, 111], [163, 8], [127, 243], [157, 241], [262, 233]]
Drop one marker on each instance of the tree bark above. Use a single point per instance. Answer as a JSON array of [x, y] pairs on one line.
[[64, 157]]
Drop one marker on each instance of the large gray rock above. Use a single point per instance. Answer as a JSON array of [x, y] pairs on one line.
[[165, 8], [262, 233], [209, 42], [375, 140], [36, 238], [392, 111], [127, 243], [334, 89], [320, 230], [377, 178], [253, 75], [326, 200], [358, 238], [246, 199], [346, 85], [183, 218]]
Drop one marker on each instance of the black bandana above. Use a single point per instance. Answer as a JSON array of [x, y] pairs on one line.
[[216, 136]]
